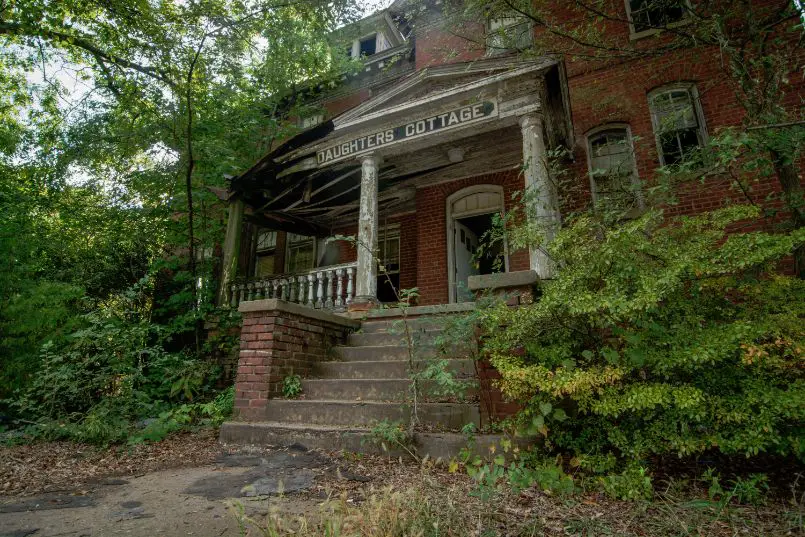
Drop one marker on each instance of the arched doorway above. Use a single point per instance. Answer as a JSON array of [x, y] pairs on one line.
[[469, 216]]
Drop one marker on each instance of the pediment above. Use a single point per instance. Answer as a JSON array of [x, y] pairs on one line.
[[434, 83]]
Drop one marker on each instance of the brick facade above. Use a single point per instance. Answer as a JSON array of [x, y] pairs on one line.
[[432, 236], [280, 339]]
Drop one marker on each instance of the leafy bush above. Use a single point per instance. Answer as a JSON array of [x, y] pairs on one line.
[[112, 380], [659, 337]]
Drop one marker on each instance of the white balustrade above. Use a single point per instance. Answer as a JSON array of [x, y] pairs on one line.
[[321, 288]]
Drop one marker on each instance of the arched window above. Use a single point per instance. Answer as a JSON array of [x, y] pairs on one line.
[[676, 115], [611, 162]]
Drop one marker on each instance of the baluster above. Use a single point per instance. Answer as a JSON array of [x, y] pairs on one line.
[[258, 290], [350, 285], [233, 297], [302, 289], [339, 273], [283, 289], [250, 285], [266, 289], [320, 290], [328, 302], [291, 290], [311, 290], [276, 284], [242, 293]]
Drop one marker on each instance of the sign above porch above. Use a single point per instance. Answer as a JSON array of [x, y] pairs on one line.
[[458, 117]]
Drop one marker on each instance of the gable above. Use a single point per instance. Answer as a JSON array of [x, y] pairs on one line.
[[438, 82]]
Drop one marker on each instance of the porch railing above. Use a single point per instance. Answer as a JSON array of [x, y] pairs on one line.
[[330, 287]]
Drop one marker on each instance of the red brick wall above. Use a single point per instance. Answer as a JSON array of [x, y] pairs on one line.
[[619, 94], [342, 104], [408, 247], [436, 45], [431, 220], [274, 344]]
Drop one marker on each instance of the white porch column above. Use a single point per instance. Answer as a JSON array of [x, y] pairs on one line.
[[541, 194], [366, 277], [234, 225]]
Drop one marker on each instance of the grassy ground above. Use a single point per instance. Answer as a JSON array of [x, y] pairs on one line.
[[424, 501]]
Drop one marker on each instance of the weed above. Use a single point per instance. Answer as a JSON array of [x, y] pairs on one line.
[[292, 386]]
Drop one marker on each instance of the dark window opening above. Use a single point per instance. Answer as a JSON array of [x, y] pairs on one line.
[[368, 46], [651, 14]]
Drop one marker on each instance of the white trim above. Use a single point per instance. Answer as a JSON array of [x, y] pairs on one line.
[[348, 118], [450, 229], [697, 107], [608, 127]]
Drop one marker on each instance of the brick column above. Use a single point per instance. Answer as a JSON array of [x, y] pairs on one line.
[[278, 339], [541, 195]]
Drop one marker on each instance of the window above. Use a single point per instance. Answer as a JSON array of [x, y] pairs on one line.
[[301, 253], [678, 125], [647, 16], [368, 46], [613, 174], [508, 33], [266, 250], [311, 121], [388, 255]]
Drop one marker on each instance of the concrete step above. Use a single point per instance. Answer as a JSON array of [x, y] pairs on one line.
[[378, 390], [385, 353], [388, 369], [374, 339], [354, 439], [397, 326], [449, 416]]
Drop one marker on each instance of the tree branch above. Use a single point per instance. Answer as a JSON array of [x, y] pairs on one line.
[[85, 43]]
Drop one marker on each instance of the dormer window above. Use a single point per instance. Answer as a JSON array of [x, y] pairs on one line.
[[368, 45]]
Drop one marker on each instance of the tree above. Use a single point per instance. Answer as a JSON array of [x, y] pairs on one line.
[[115, 118]]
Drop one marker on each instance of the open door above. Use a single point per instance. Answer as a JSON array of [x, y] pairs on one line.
[[465, 243]]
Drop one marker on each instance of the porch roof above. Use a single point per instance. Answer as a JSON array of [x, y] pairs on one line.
[[300, 187]]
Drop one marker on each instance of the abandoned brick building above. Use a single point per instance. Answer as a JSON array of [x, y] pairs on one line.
[[412, 156]]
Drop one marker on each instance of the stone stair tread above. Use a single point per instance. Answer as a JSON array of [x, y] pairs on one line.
[[352, 438]]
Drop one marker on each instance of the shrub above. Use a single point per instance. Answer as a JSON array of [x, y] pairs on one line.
[[659, 337]]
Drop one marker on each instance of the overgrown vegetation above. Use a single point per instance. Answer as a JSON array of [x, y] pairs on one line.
[[119, 122], [427, 501]]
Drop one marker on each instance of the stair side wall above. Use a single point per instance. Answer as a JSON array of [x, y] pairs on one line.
[[280, 339]]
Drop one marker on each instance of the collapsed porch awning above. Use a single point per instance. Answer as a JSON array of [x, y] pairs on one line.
[[437, 124]]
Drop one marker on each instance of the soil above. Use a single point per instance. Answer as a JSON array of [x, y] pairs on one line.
[[186, 485], [190, 484]]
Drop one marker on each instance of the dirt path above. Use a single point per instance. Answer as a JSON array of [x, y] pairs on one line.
[[199, 501]]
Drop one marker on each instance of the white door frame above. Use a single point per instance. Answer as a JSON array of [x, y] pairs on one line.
[[450, 226]]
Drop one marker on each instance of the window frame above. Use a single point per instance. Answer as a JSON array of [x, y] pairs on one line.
[[289, 243], [693, 92], [634, 175], [634, 34], [525, 21], [385, 234], [264, 252], [382, 43], [311, 121]]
